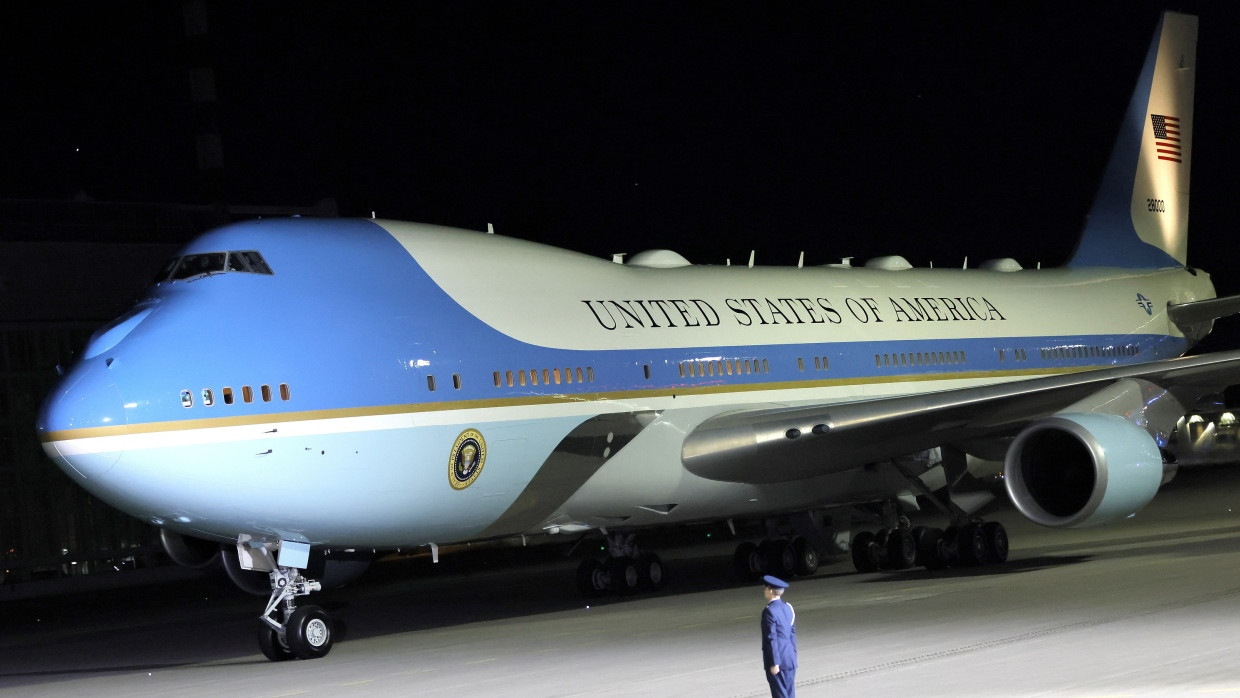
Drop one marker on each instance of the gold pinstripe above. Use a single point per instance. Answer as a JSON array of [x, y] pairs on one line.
[[529, 400]]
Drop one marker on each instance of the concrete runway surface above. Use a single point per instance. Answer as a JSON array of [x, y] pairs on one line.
[[1145, 607]]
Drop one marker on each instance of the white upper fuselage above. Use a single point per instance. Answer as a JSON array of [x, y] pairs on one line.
[[395, 384]]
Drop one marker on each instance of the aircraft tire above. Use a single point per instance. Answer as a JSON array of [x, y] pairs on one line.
[[779, 558], [971, 544], [806, 556], [864, 552], [624, 577], [995, 536], [269, 643], [930, 549], [309, 632], [588, 582], [650, 567], [746, 562], [901, 550]]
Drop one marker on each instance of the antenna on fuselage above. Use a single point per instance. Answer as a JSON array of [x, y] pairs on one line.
[[618, 258], [751, 253], [801, 261], [490, 229], [966, 263]]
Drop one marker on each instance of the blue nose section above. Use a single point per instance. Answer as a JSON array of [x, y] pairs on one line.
[[86, 399]]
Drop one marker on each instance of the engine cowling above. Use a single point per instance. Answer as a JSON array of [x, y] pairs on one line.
[[188, 551], [1084, 469]]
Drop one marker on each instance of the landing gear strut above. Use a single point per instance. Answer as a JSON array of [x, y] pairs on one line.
[[285, 630], [625, 570]]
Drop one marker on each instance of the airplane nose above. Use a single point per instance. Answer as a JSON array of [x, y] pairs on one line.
[[87, 398]]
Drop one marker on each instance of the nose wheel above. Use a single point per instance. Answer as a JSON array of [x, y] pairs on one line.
[[287, 631]]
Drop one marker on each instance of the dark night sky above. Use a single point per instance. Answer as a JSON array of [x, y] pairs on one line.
[[934, 130]]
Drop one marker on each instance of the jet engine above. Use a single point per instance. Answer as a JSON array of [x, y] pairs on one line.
[[188, 551], [1082, 469]]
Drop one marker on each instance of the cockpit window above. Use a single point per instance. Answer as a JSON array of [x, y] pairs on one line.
[[195, 264], [249, 260], [188, 266]]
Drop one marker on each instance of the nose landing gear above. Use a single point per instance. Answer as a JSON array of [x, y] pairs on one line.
[[285, 630]]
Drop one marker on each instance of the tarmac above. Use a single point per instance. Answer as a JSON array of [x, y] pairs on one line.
[[1143, 607]]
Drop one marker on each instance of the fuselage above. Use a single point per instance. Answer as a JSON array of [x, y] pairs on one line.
[[381, 384]]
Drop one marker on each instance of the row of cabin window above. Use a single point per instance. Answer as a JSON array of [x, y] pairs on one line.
[[923, 358], [1017, 355], [456, 382], [718, 367], [1079, 352], [247, 395], [549, 376], [820, 363]]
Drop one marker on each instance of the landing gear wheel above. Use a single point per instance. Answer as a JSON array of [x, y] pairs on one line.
[[971, 545], [309, 632], [269, 642], [805, 555], [901, 550], [623, 575], [930, 549], [864, 552], [995, 536], [650, 569], [589, 578], [746, 562], [780, 559]]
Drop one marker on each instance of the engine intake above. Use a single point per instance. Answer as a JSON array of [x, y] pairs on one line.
[[1076, 470]]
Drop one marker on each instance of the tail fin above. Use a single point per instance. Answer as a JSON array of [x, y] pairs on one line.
[[1140, 216]]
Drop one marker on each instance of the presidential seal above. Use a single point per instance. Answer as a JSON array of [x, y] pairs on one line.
[[466, 460]]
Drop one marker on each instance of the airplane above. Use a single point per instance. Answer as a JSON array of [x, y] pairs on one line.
[[294, 395]]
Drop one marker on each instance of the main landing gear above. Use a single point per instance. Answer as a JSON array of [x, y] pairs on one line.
[[625, 569], [792, 547], [969, 544], [285, 630], [782, 557]]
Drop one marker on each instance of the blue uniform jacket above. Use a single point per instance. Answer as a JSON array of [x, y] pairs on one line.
[[779, 636]]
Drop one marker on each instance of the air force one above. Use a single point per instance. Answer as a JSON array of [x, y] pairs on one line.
[[299, 393]]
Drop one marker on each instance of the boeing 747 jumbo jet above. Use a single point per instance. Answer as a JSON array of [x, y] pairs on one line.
[[303, 393]]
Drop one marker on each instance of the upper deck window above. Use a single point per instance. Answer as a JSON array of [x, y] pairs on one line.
[[191, 265]]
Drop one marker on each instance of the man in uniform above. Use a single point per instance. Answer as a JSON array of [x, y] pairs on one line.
[[779, 640]]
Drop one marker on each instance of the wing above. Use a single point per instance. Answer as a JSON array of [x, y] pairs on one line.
[[781, 444]]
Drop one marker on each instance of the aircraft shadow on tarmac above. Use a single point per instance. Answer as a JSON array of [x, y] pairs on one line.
[[1029, 564]]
